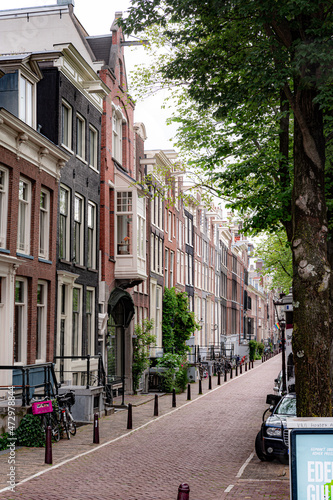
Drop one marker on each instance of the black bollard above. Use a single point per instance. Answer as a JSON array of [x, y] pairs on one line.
[[240, 369], [96, 429], [249, 365], [174, 398], [245, 366], [219, 378], [262, 359], [188, 392], [200, 386], [183, 492], [129, 416], [230, 373], [236, 371], [48, 445], [209, 382], [225, 375], [156, 406]]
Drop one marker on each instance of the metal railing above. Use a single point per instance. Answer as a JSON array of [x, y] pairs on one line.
[[43, 371]]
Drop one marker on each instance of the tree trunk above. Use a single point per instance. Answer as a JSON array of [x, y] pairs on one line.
[[311, 270]]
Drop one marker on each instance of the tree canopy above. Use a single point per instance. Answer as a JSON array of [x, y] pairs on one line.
[[257, 111]]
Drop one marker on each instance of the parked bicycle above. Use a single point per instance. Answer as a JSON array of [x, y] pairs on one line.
[[44, 409], [65, 417]]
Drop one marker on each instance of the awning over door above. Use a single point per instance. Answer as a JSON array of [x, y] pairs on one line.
[[121, 307]]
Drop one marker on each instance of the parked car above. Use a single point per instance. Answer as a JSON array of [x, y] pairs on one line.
[[272, 439]]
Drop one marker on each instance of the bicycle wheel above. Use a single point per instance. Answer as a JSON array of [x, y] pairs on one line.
[[71, 423], [55, 428], [65, 423]]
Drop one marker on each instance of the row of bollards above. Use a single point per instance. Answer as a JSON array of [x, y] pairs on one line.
[[184, 489]]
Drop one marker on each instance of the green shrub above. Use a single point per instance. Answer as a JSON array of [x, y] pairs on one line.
[[30, 432], [4, 441]]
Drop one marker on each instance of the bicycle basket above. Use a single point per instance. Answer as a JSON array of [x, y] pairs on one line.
[[70, 397]]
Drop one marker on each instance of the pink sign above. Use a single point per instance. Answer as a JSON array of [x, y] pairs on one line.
[[42, 407]]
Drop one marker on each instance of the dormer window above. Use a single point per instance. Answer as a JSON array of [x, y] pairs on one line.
[[26, 101], [18, 87]]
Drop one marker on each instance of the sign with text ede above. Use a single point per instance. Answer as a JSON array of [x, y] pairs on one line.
[[311, 458]]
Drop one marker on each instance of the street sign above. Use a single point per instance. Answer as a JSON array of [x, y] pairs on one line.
[[311, 461]]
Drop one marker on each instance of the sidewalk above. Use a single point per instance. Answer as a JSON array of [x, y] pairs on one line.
[[257, 480]]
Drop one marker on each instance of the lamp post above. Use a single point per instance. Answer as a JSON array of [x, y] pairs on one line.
[[283, 341]]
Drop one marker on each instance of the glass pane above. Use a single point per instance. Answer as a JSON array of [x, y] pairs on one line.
[[63, 201], [28, 103], [19, 291], [22, 99]]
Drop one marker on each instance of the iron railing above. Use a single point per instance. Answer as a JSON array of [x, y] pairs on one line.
[[25, 376]]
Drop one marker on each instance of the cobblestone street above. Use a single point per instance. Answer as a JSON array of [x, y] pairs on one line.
[[207, 442]]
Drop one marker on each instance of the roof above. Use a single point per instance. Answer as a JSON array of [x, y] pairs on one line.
[[101, 47]]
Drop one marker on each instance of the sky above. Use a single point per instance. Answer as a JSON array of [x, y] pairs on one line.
[[96, 16]]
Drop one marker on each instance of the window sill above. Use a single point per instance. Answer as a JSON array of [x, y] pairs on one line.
[[25, 256], [64, 261], [4, 250], [94, 168], [81, 159], [46, 261], [67, 148], [92, 270], [80, 266]]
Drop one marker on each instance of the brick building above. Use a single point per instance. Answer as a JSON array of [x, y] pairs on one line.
[[30, 170]]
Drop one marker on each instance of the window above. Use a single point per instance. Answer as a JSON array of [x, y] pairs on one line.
[[24, 217], [172, 264], [93, 147], [90, 335], [80, 137], [20, 332], [166, 268], [170, 224], [44, 224], [26, 103], [41, 321], [3, 206], [158, 330], [78, 230], [64, 224], [66, 125], [76, 340], [124, 223], [141, 248], [117, 133], [91, 235]]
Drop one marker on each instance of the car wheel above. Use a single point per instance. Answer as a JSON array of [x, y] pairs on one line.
[[258, 447], [284, 460]]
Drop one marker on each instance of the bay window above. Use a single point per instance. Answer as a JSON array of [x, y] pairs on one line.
[[124, 223]]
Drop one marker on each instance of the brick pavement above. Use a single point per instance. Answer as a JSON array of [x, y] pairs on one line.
[[203, 442]]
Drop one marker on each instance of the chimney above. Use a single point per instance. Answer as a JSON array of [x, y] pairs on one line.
[[65, 2]]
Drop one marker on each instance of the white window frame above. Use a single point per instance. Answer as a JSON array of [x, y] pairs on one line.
[[166, 268], [172, 268], [27, 100], [3, 206], [65, 215], [93, 147], [92, 235], [76, 337], [66, 132], [21, 309], [80, 137], [170, 225], [78, 239], [44, 225], [41, 326], [117, 135], [24, 218], [90, 341], [124, 218], [141, 237]]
